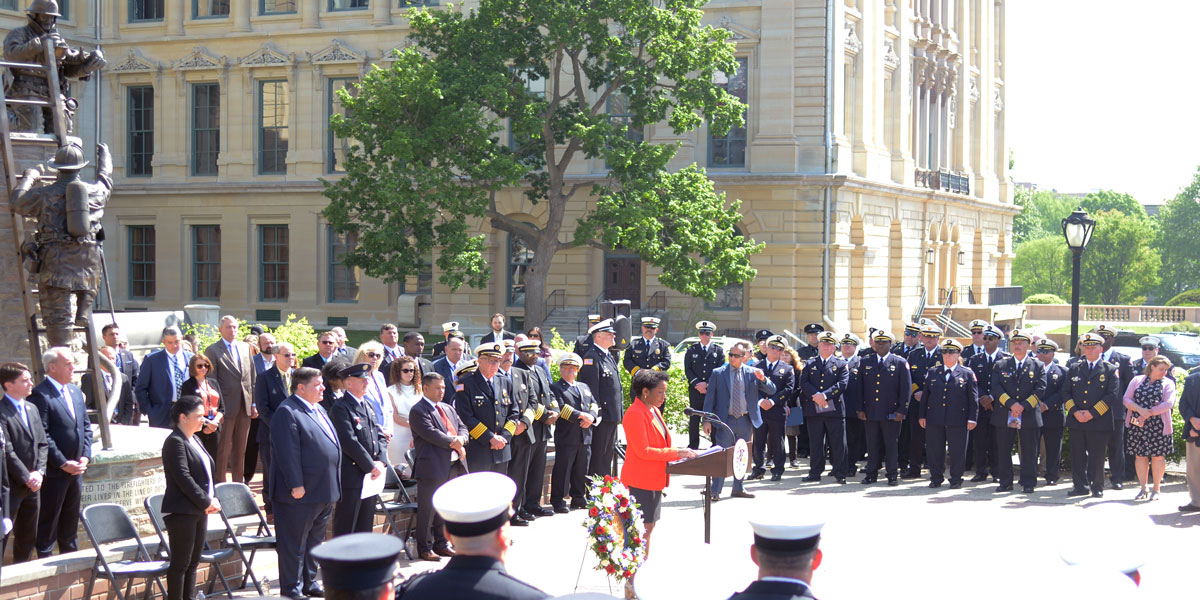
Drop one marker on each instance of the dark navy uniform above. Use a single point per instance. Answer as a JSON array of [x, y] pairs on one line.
[[969, 351], [807, 353], [949, 404], [572, 443], [698, 365], [363, 445], [654, 354], [774, 418], [1052, 419], [582, 343], [488, 411], [475, 577], [522, 444], [1117, 459], [920, 362], [856, 434], [884, 387], [1018, 383], [983, 439], [828, 377], [1092, 390], [599, 372], [543, 403], [775, 590]]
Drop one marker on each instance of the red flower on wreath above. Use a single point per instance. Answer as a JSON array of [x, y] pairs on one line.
[[600, 530], [627, 574], [606, 489], [611, 569], [624, 501], [594, 511]]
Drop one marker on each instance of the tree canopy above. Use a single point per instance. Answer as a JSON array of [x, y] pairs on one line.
[[1120, 264], [430, 154], [1179, 240]]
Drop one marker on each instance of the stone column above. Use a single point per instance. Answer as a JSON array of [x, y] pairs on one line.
[[174, 12], [383, 12], [310, 14], [240, 9]]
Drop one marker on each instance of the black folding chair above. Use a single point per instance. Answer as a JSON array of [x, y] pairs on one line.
[[398, 502], [108, 524], [237, 501], [208, 556]]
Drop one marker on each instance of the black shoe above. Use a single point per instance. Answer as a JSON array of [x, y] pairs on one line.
[[517, 521], [539, 511], [1117, 485], [812, 478], [577, 505], [954, 485], [1051, 480], [893, 481], [742, 495], [852, 472], [315, 591], [528, 516], [776, 477], [1189, 508], [1077, 492], [1004, 487], [870, 479], [1027, 489], [936, 483], [561, 509], [841, 480], [911, 474], [979, 477], [1098, 494], [756, 474], [429, 555]]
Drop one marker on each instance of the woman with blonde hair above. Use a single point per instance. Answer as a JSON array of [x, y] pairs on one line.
[[1148, 431], [403, 395], [372, 354]]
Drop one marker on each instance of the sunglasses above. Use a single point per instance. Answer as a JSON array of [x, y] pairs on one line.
[[373, 355], [535, 337], [1045, 351], [1149, 347], [408, 370], [732, 355], [198, 367], [327, 343], [289, 355]]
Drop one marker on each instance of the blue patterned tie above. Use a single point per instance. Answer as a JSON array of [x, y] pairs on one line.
[[178, 376]]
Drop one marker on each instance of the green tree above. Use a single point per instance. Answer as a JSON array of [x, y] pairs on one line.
[[1179, 241], [1042, 215], [428, 158], [1103, 200], [1119, 265], [1042, 266]]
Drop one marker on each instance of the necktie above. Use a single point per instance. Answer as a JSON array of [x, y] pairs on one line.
[[737, 407], [67, 400], [445, 418], [947, 375], [24, 415], [324, 424], [177, 373]]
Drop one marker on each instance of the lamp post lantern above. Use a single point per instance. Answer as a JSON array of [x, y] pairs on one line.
[[1078, 229]]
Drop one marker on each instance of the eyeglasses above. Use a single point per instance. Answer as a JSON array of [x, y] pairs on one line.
[[289, 355], [1149, 347], [373, 355], [739, 355], [327, 342], [535, 337], [408, 370], [1041, 351]]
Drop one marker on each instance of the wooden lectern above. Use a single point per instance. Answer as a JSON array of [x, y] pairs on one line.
[[718, 463]]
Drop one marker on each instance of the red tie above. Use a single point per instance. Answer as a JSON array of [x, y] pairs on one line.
[[445, 418]]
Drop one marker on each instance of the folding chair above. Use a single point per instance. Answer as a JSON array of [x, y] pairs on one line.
[[107, 524], [208, 556], [399, 503], [238, 501]]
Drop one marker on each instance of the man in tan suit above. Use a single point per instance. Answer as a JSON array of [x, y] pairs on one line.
[[233, 367]]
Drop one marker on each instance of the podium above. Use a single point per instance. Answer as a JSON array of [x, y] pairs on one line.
[[724, 462]]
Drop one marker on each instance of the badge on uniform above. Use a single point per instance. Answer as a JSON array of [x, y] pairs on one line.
[[1102, 378], [1031, 374], [479, 400], [587, 362], [1075, 378], [892, 368], [960, 381]]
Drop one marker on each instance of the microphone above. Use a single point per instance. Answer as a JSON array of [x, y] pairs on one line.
[[692, 412]]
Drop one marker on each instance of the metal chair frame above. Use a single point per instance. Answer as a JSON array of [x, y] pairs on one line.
[[208, 556]]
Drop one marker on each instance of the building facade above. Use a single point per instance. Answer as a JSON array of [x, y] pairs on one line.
[[872, 165]]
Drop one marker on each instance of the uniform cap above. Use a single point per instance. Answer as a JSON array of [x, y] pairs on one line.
[[993, 331], [361, 370], [605, 325], [828, 337], [978, 325], [882, 335], [509, 345], [358, 561], [465, 367], [68, 158], [1019, 334], [706, 326], [1047, 344], [570, 358], [449, 326], [851, 339], [787, 534], [1091, 339], [814, 328], [524, 345], [762, 334], [457, 334], [474, 504], [651, 322], [777, 342], [951, 345], [1105, 330], [490, 349], [593, 319], [931, 330], [1150, 341], [912, 329]]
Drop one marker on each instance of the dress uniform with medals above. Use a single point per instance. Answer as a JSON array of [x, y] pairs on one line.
[[599, 372], [1091, 388], [572, 443], [439, 349], [698, 365], [1018, 382], [472, 506], [920, 361], [983, 442], [488, 411], [648, 352], [977, 326], [775, 417], [1117, 459], [884, 387], [545, 408], [856, 433], [363, 446], [582, 342], [1052, 408], [948, 409], [522, 443], [829, 377], [784, 538]]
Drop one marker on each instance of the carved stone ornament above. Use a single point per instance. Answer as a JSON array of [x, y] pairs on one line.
[[997, 101], [134, 63], [199, 58], [952, 111], [973, 89], [853, 44], [267, 56], [891, 60], [338, 52]]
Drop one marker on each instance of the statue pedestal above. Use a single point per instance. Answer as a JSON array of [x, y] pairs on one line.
[[127, 474]]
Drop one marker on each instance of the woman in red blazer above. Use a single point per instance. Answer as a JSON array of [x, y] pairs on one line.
[[648, 446]]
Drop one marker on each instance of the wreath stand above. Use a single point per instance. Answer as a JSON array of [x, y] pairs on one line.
[[608, 525]]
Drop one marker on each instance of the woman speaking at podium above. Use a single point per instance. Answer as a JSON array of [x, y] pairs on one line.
[[648, 446]]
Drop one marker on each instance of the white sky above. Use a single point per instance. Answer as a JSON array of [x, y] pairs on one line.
[[1104, 94]]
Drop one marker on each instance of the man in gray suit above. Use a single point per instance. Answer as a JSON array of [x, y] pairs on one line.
[[233, 367], [734, 393]]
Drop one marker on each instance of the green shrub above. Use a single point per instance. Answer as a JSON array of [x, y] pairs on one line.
[[1045, 299], [1188, 298], [1185, 326], [296, 332]]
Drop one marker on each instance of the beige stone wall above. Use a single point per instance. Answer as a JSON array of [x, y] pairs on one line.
[[881, 223]]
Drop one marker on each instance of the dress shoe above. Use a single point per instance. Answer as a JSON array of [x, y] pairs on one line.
[[1189, 508], [1098, 494], [776, 477], [444, 549], [979, 477], [893, 481], [561, 509], [315, 591], [870, 479], [936, 483], [1004, 487], [528, 516], [911, 474], [1117, 485], [577, 505], [1051, 480], [1077, 492], [517, 521], [841, 480], [742, 495], [756, 474], [299, 597], [955, 485], [794, 463], [1028, 489], [430, 556], [852, 472], [812, 478], [540, 511]]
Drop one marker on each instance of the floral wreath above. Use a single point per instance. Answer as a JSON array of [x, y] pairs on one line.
[[616, 532]]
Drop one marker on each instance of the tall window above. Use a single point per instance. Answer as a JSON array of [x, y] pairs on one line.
[[620, 115], [206, 127], [205, 9], [206, 262], [343, 279], [273, 262], [536, 88], [422, 282], [141, 131], [338, 146], [9, 4], [145, 10], [64, 8], [348, 4], [272, 126], [732, 296], [141, 261], [729, 150], [520, 256], [271, 7]]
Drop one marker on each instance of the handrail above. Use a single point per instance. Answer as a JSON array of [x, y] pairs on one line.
[[594, 307], [920, 306], [557, 300], [657, 302]]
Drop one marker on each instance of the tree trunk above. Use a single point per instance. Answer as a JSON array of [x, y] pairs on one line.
[[535, 282]]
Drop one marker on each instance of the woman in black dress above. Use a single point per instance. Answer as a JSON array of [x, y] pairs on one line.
[[189, 497]]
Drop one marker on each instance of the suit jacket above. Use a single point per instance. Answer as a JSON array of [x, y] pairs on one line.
[[155, 388], [424, 365], [29, 447], [648, 448], [191, 387], [261, 364], [315, 361], [1125, 373], [360, 437], [853, 393], [719, 392], [269, 393], [1025, 386], [235, 376], [129, 365], [1056, 378], [1094, 391], [491, 336], [541, 400], [524, 401], [1189, 406], [831, 379], [574, 400], [950, 403], [979, 363], [443, 367], [187, 480], [115, 400], [305, 455], [67, 438], [385, 365], [431, 440], [885, 384]]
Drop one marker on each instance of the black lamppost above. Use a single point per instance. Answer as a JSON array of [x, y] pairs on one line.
[[1077, 228]]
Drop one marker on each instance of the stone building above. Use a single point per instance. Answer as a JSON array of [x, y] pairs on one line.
[[873, 165]]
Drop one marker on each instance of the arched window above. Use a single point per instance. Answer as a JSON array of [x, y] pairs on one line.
[[732, 296], [520, 256]]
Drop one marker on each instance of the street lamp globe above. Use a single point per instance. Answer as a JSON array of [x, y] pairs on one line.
[[1078, 229]]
